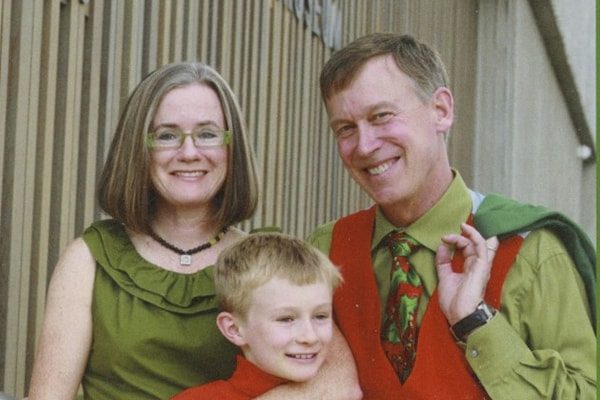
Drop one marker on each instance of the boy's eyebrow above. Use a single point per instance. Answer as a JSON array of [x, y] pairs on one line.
[[293, 308]]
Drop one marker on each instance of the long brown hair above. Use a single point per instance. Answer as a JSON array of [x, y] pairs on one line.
[[125, 189]]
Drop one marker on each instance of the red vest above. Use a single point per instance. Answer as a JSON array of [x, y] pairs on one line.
[[441, 370]]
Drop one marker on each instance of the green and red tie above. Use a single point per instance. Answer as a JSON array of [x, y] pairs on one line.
[[399, 332]]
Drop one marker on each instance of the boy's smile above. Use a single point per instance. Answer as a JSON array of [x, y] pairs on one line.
[[287, 328]]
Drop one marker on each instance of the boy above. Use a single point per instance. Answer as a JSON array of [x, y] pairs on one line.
[[275, 293]]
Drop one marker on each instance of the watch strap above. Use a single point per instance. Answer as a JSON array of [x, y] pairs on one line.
[[482, 314]]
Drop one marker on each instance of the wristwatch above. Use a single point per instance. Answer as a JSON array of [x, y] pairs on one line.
[[482, 314]]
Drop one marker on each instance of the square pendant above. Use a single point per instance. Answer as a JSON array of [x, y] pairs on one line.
[[185, 259]]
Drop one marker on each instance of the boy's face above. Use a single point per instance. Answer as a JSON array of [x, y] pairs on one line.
[[288, 328]]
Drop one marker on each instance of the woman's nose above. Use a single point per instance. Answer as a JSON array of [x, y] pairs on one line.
[[188, 149]]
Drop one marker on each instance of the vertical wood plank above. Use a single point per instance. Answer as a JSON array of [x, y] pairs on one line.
[[282, 115], [34, 275], [192, 32], [205, 23], [131, 46], [42, 259], [89, 124], [68, 89], [5, 244], [270, 137], [240, 28], [111, 84], [164, 31], [294, 214], [5, 14], [176, 41], [224, 39], [21, 123], [151, 34]]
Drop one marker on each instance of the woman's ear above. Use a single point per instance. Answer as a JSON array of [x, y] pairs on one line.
[[443, 103], [230, 325]]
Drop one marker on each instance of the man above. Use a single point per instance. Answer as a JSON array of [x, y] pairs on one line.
[[527, 333]]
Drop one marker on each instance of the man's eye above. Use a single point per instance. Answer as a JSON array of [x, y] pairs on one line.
[[382, 116], [344, 131], [322, 316]]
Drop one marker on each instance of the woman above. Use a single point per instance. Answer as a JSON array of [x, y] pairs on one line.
[[131, 309], [129, 313]]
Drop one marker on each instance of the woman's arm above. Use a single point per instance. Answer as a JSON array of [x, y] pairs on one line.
[[337, 378], [65, 340]]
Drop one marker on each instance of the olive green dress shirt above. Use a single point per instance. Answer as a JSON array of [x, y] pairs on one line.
[[541, 344]]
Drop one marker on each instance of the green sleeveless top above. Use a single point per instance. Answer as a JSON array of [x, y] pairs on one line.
[[154, 331]]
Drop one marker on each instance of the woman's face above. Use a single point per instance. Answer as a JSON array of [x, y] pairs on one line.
[[188, 176]]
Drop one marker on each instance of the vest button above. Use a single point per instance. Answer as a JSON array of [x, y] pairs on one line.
[[474, 353]]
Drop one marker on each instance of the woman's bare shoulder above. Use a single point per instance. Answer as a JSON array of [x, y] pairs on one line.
[[75, 268]]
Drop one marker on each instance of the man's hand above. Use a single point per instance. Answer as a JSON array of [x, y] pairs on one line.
[[460, 293]]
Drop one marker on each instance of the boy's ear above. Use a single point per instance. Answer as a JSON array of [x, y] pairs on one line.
[[444, 108], [229, 325]]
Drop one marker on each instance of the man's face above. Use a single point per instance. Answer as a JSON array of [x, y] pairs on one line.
[[390, 139]]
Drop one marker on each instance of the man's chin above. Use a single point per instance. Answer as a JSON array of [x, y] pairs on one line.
[[385, 199]]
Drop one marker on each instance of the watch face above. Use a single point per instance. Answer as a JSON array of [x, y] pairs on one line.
[[489, 311]]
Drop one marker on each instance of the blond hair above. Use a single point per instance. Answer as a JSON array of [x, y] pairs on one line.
[[125, 190], [254, 260]]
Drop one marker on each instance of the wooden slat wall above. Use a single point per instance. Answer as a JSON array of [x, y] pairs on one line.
[[68, 66], [5, 244], [526, 121]]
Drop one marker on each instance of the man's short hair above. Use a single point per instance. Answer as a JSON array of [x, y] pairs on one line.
[[125, 190], [417, 60], [257, 258]]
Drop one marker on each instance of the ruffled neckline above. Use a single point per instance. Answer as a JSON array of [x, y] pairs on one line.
[[116, 255]]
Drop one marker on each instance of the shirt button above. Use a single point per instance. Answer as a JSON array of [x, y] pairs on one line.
[[474, 353]]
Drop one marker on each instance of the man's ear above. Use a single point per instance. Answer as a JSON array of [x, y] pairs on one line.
[[229, 325], [443, 103]]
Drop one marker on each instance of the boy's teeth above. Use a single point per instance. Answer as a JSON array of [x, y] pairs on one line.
[[379, 169], [303, 356]]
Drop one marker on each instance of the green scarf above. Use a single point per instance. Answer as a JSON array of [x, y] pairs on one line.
[[502, 217]]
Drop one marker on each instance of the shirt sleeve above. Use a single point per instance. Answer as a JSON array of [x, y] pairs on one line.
[[541, 345], [321, 237]]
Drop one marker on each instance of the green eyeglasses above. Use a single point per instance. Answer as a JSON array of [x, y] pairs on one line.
[[172, 138]]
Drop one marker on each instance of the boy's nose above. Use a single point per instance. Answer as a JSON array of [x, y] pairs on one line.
[[307, 333]]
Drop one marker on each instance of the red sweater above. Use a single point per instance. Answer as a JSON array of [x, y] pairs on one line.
[[441, 370], [247, 382]]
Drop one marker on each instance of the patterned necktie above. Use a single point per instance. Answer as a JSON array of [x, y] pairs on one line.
[[399, 333]]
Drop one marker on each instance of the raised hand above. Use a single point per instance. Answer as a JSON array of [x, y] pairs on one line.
[[460, 293]]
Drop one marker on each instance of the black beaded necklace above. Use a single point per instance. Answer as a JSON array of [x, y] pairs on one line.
[[185, 256]]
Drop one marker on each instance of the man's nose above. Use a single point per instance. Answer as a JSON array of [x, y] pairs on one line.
[[367, 139]]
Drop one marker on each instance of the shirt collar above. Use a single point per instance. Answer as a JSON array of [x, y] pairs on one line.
[[251, 380], [444, 217]]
